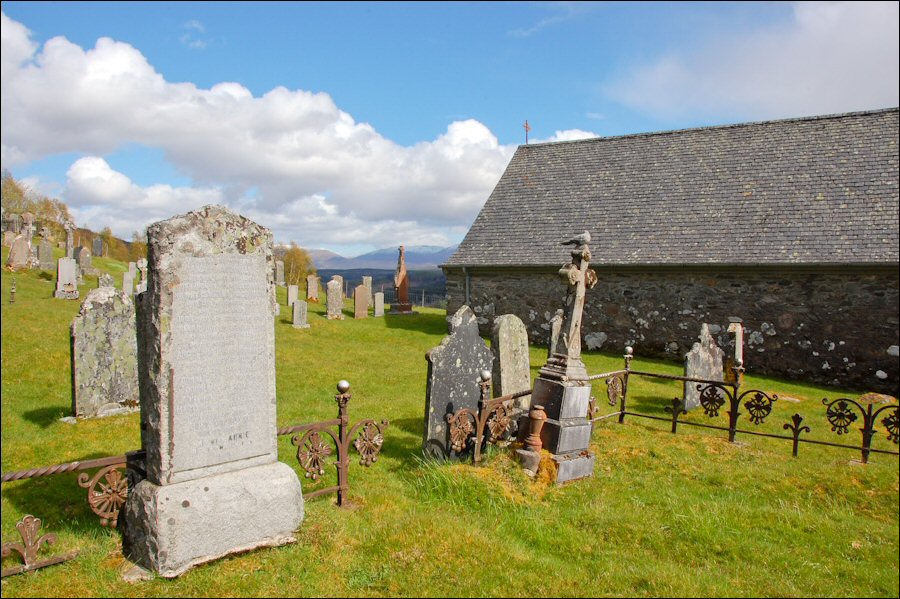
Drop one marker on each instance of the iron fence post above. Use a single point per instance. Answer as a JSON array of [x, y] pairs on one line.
[[629, 354], [342, 399], [734, 412]]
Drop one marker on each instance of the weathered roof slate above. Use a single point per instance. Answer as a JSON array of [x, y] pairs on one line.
[[819, 190]]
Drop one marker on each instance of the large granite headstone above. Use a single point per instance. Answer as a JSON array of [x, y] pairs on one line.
[[312, 288], [66, 279], [334, 300], [704, 361], [379, 305], [340, 281], [104, 355], [454, 374], [214, 486], [511, 371], [300, 309], [361, 302], [279, 273], [293, 294]]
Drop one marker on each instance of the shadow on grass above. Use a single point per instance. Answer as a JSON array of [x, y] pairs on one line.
[[44, 417], [405, 448], [432, 324]]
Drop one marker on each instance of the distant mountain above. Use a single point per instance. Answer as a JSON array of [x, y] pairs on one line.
[[418, 257]]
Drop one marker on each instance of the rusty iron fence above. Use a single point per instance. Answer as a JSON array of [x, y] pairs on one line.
[[496, 419], [107, 487]]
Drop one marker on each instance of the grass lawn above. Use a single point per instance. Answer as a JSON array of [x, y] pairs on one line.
[[664, 515]]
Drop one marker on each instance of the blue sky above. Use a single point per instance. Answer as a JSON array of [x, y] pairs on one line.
[[355, 126]]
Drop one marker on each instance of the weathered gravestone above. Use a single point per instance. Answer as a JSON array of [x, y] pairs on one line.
[[401, 304], [128, 282], [293, 294], [312, 288], [70, 239], [334, 300], [361, 302], [511, 370], [555, 329], [132, 268], [300, 309], [45, 254], [19, 253], [454, 371], [562, 387], [379, 305], [97, 246], [105, 280], [367, 281], [141, 265], [704, 361], [279, 273], [8, 238], [340, 281], [104, 355], [214, 485], [66, 279], [83, 259]]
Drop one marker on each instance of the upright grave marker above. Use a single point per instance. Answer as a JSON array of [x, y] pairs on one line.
[[454, 371], [214, 485], [97, 246], [279, 273], [312, 288], [45, 251], [562, 387], [511, 367], [367, 281], [293, 294], [334, 300], [704, 361], [361, 302], [299, 314], [401, 287], [66, 279], [379, 305], [104, 355]]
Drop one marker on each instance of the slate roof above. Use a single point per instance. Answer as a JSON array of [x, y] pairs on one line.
[[818, 190]]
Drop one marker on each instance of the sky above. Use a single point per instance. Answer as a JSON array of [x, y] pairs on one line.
[[357, 126]]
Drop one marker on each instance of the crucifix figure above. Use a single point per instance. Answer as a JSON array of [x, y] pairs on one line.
[[566, 359]]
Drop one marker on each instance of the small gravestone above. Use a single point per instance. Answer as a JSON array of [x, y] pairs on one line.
[[334, 300], [128, 282], [556, 324], [704, 361], [293, 294], [213, 484], [361, 302], [8, 238], [279, 273], [132, 268], [454, 371], [97, 246], [19, 253], [511, 371], [367, 282], [379, 305], [66, 279], [104, 355], [105, 280], [300, 308], [312, 288], [45, 254]]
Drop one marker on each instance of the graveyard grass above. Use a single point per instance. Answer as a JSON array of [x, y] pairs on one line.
[[664, 515]]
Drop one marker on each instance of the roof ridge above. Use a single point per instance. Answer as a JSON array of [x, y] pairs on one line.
[[714, 127]]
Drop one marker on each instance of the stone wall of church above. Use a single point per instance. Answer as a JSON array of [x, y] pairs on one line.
[[834, 326]]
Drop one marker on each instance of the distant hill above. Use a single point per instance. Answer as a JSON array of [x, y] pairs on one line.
[[418, 257]]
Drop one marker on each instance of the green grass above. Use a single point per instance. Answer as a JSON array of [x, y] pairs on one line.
[[675, 515]]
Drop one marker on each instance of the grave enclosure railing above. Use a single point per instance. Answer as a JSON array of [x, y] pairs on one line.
[[107, 487], [493, 421]]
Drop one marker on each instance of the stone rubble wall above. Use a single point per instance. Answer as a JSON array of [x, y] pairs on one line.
[[828, 326]]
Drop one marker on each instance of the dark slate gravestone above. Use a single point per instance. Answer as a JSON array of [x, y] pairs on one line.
[[454, 371], [97, 246]]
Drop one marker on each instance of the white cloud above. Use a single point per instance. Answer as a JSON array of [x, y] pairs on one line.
[[292, 158], [831, 57], [568, 135]]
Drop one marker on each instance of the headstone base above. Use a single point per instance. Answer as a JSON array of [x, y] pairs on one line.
[[529, 460], [402, 309], [575, 465], [72, 295], [301, 326], [170, 529], [562, 400], [567, 435], [335, 317]]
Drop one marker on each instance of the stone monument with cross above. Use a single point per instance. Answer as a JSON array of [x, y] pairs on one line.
[[401, 304], [562, 387], [214, 485]]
